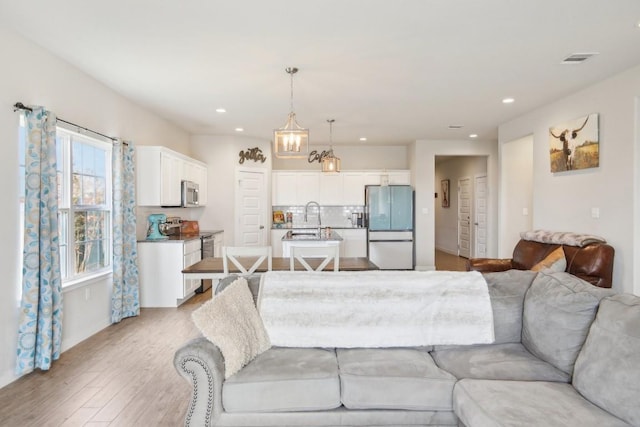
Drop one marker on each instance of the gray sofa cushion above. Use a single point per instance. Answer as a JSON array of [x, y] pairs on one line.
[[489, 403], [285, 379], [607, 370], [393, 378], [507, 290], [253, 281], [558, 311], [497, 361]]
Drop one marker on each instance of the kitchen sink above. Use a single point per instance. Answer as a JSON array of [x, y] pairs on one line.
[[302, 235]]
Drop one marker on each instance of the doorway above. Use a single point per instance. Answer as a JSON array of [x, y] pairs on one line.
[[456, 232], [251, 207]]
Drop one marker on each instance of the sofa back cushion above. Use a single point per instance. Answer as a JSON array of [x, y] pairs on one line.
[[607, 371], [558, 311], [592, 263], [507, 290]]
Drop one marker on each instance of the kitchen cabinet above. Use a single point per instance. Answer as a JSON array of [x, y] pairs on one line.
[[294, 188], [160, 172], [353, 188], [199, 176], [192, 253], [331, 189], [276, 241], [218, 243], [400, 178], [160, 272], [354, 242], [284, 186]]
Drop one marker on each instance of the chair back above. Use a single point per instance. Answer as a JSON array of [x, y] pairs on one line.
[[326, 253], [232, 253]]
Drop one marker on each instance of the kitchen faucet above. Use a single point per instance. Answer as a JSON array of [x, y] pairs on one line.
[[306, 211]]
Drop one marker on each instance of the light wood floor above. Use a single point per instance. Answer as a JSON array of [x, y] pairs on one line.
[[122, 376]]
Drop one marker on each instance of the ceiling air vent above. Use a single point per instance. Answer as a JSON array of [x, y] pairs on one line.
[[578, 58]]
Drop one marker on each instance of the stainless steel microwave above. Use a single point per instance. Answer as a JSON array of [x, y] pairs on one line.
[[190, 196]]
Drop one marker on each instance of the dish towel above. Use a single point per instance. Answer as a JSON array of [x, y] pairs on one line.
[[375, 308]]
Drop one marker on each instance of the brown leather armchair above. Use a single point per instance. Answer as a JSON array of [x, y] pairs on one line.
[[593, 263]]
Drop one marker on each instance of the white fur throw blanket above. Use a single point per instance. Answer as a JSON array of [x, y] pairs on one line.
[[375, 308]]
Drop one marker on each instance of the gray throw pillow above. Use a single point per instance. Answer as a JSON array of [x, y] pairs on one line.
[[558, 311], [507, 290], [253, 281], [607, 370]]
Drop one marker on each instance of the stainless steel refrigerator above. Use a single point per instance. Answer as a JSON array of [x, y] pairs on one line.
[[389, 216]]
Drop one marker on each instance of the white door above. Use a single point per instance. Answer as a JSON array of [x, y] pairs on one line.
[[480, 214], [464, 217], [251, 207]]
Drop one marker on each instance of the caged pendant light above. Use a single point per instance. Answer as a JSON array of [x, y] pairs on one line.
[[330, 163], [291, 141]]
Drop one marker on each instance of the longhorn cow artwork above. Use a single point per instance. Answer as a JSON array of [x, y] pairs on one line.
[[574, 145]]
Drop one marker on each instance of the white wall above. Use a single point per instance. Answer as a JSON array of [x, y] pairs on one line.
[[516, 193], [446, 219], [221, 154], [33, 76], [353, 157], [563, 201], [423, 174]]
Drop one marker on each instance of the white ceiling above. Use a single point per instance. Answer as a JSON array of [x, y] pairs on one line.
[[392, 70]]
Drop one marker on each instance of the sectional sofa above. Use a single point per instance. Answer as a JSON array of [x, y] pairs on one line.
[[566, 353]]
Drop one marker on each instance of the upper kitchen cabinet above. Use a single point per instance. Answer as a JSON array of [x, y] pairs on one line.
[[353, 188], [159, 175], [294, 188], [331, 189]]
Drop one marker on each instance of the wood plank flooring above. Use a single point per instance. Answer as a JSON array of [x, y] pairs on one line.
[[122, 376], [446, 261]]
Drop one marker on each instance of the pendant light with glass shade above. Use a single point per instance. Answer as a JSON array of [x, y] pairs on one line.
[[330, 163], [291, 141]]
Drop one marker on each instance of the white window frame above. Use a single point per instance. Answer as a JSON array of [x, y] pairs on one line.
[[65, 207]]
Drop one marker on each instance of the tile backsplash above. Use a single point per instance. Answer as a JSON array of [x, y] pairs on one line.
[[332, 216]]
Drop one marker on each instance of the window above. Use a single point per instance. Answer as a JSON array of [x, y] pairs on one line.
[[84, 203]]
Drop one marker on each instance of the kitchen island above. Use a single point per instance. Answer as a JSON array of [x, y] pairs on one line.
[[310, 238]]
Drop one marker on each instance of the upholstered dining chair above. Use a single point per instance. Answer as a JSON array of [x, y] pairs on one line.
[[231, 253], [299, 253]]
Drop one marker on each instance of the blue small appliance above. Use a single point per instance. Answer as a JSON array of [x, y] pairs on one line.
[[153, 233]]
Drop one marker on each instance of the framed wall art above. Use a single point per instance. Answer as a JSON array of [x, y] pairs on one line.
[[444, 185], [574, 144]]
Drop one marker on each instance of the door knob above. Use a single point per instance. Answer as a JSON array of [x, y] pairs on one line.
[[262, 227]]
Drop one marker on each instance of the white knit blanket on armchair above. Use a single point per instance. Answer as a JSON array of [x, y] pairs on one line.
[[375, 308]]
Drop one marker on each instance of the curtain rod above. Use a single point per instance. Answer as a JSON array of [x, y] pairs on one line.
[[20, 106]]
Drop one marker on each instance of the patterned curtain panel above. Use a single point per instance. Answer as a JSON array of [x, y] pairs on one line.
[[125, 299], [40, 327]]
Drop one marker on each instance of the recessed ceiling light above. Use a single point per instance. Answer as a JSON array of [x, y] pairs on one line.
[[363, 139], [508, 101], [473, 135], [239, 129], [221, 110]]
